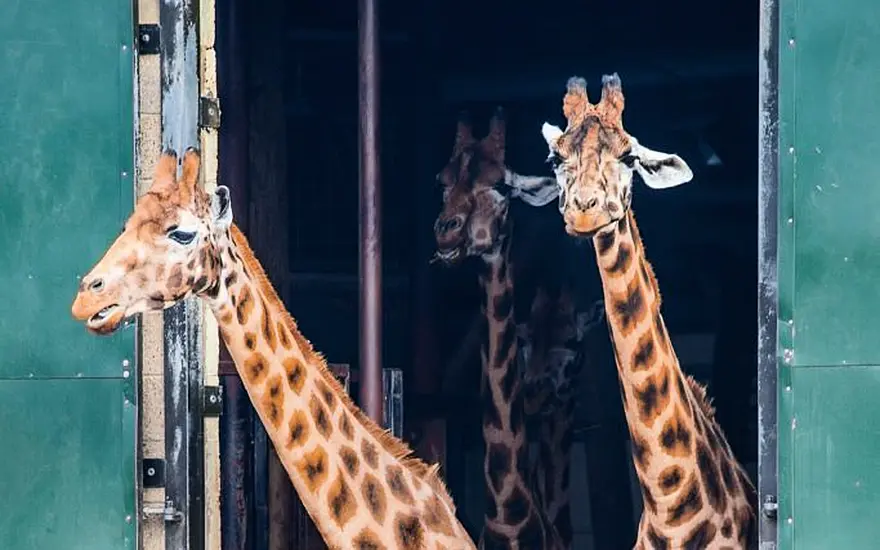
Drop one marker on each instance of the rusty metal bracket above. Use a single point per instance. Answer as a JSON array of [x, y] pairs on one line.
[[148, 39], [209, 112], [153, 472], [213, 405]]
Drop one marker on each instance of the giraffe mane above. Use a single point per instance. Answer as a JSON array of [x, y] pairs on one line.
[[394, 446]]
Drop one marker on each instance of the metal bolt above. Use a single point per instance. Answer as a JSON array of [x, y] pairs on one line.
[[124, 47], [212, 399], [125, 363], [151, 471], [787, 388], [791, 42], [124, 174], [125, 374], [790, 322], [145, 37], [127, 519], [789, 521], [790, 221], [791, 150], [787, 355]]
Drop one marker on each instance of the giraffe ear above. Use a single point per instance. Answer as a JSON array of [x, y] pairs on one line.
[[551, 134], [166, 167], [221, 208], [189, 182], [532, 190], [659, 170]]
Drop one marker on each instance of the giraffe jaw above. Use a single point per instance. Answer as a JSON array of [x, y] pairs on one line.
[[107, 320]]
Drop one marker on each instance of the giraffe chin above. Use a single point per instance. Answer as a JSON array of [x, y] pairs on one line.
[[107, 321]]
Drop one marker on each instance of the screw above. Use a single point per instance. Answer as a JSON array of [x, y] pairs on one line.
[[787, 388], [212, 399], [125, 374], [791, 42], [791, 150], [787, 355], [790, 221], [125, 362], [151, 471]]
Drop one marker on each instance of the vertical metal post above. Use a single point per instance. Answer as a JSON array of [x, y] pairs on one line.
[[236, 422], [768, 217], [184, 448], [370, 211]]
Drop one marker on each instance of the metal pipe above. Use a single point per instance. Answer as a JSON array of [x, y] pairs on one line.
[[236, 451], [370, 211]]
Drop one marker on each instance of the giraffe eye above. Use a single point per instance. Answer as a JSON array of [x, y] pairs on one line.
[[554, 160], [629, 160], [182, 237]]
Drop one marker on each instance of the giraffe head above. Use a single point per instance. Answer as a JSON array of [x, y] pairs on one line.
[[167, 249], [594, 159], [549, 345], [477, 187]]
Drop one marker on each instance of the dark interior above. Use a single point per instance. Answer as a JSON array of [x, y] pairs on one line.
[[289, 150]]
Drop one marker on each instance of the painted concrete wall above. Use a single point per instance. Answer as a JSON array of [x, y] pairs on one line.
[[152, 364]]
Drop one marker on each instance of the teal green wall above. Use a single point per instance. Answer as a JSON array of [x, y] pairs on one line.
[[829, 274], [67, 412]]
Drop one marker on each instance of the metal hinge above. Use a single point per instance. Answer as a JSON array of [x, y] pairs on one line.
[[153, 472], [213, 403], [769, 507], [166, 511], [209, 112], [148, 39]]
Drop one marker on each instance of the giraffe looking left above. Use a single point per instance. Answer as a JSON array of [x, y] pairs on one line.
[[358, 483]]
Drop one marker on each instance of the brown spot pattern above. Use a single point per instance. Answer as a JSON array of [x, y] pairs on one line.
[[397, 485], [409, 532], [283, 336], [298, 429], [367, 540], [250, 340], [268, 328], [340, 501], [687, 506], [313, 468], [437, 517], [345, 426], [326, 394], [296, 374], [245, 305], [273, 401], [256, 368], [675, 438], [374, 497], [321, 417], [350, 460], [670, 479], [371, 456]]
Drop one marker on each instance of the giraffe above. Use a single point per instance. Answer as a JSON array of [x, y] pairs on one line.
[[360, 485], [474, 221], [695, 493], [553, 357]]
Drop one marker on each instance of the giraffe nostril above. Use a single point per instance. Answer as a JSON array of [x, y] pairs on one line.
[[97, 285]]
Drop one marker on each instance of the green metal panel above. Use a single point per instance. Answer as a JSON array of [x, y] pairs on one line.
[[62, 477], [828, 265], [836, 458], [67, 402], [830, 75]]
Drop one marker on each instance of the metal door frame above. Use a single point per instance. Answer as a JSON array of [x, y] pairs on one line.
[[768, 219]]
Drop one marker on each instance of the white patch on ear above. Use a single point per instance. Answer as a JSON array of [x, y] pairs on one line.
[[221, 208], [551, 134], [660, 170], [532, 190]]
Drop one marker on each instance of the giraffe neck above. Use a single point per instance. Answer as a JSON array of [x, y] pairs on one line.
[[358, 483], [552, 469], [512, 518], [693, 489]]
